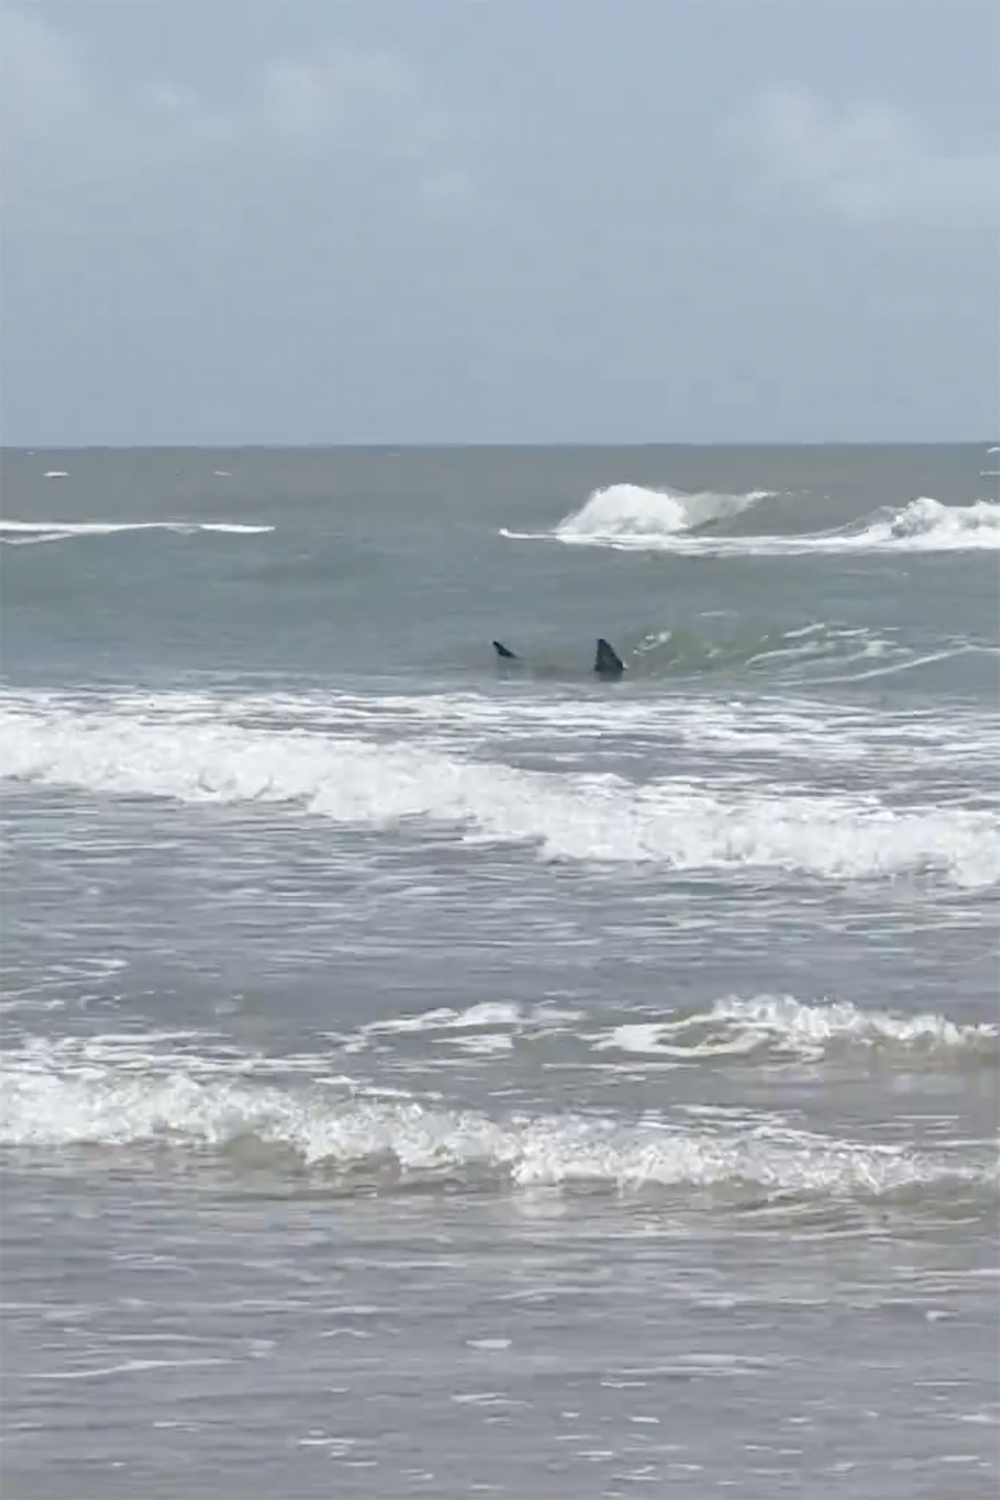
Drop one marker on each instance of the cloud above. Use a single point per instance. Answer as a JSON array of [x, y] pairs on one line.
[[342, 111], [868, 165]]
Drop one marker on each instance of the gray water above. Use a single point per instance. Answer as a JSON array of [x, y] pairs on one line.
[[429, 1077]]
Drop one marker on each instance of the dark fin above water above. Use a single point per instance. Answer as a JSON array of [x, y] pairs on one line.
[[501, 650], [608, 663]]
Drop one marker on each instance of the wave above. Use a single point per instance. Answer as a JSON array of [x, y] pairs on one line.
[[23, 533], [630, 510], [680, 651], [801, 657], [632, 515], [628, 517], [788, 728], [927, 525], [562, 815], [730, 1028], [784, 1025], [399, 1141]]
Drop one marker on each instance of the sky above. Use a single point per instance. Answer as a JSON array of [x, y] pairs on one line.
[[486, 221]]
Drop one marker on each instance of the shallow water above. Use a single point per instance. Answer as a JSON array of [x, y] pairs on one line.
[[427, 1076]]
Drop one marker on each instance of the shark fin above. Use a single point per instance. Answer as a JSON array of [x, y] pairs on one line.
[[607, 662]]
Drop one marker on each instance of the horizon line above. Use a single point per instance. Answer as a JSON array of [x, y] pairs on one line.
[[409, 447]]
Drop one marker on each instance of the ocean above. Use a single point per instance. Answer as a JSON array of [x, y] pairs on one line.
[[431, 1075]]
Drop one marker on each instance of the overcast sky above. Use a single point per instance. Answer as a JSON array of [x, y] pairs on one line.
[[499, 222]]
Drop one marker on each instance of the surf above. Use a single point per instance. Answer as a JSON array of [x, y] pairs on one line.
[[54, 1099], [22, 533], [673, 822], [629, 518]]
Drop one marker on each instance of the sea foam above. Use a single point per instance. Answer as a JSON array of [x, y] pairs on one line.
[[564, 815], [52, 1103]]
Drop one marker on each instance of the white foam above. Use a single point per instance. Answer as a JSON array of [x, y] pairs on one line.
[[632, 518], [43, 1106], [631, 514], [23, 532], [234, 528], [631, 510], [927, 525], [564, 815], [488, 1013], [490, 1026], [652, 1037], [781, 726], [56, 474], [734, 1025]]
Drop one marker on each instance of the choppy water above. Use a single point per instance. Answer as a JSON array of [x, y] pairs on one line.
[[428, 1077]]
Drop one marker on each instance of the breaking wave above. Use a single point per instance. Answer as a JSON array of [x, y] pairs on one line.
[[779, 1027], [783, 1025], [629, 517], [24, 533], [927, 525], [631, 511], [563, 815], [792, 729], [50, 1103]]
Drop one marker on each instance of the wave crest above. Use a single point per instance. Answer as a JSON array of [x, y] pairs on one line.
[[926, 523], [404, 1141], [629, 517], [25, 533], [736, 1026], [630, 511], [598, 818]]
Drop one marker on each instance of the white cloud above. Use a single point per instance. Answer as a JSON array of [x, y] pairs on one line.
[[342, 109], [866, 165]]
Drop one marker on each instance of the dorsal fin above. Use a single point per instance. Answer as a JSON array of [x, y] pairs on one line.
[[607, 663], [501, 650]]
